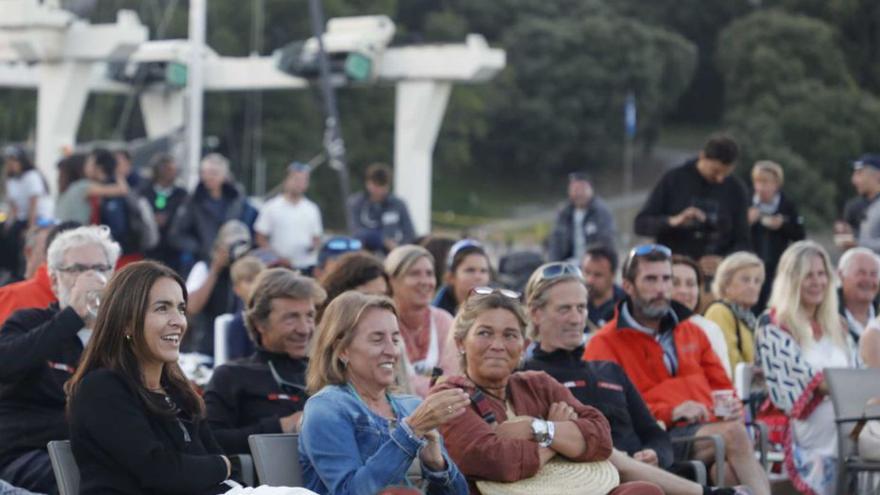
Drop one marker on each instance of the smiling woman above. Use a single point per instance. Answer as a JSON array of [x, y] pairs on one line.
[[423, 328], [136, 424], [357, 437]]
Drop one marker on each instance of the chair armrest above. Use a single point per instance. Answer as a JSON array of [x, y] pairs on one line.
[[701, 476], [718, 443], [856, 419], [247, 473], [763, 442]]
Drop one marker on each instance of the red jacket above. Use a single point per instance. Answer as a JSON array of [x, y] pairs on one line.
[[641, 356], [35, 292]]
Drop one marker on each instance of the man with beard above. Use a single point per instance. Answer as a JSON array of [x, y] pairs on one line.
[[672, 364], [859, 272], [265, 392], [39, 351]]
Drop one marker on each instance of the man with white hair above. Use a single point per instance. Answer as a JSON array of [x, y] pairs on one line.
[[215, 201], [859, 272], [39, 350]]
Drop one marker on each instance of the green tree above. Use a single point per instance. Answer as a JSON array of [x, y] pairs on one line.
[[790, 97], [562, 103]]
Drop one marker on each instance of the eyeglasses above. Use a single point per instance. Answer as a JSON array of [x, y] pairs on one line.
[[645, 250], [81, 268], [487, 291], [457, 247], [559, 269], [285, 386]]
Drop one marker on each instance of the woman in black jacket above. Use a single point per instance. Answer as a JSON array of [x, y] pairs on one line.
[[136, 424]]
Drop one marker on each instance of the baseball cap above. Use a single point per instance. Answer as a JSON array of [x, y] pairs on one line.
[[867, 160]]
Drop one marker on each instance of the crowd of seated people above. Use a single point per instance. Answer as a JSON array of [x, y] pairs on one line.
[[391, 377]]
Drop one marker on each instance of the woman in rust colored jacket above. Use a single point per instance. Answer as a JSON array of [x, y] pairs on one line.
[[490, 335]]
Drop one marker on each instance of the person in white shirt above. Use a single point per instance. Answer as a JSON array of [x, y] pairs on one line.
[[290, 223], [27, 200]]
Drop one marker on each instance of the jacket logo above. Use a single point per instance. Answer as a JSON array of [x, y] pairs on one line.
[[610, 386]]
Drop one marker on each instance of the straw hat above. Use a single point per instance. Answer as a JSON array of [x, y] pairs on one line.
[[560, 477]]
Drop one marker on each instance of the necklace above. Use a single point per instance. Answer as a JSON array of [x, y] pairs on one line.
[[486, 391]]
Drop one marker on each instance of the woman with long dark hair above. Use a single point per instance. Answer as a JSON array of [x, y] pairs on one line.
[[137, 426]]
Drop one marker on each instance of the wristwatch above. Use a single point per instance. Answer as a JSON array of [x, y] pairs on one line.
[[542, 432]]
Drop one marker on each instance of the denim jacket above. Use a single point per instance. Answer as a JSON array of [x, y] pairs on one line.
[[345, 448]]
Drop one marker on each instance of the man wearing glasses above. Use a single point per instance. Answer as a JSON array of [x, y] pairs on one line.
[[670, 361], [40, 349], [265, 392]]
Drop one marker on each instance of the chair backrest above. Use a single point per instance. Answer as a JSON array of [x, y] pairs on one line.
[[850, 389], [64, 466], [221, 344], [276, 457]]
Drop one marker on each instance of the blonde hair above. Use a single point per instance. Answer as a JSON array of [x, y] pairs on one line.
[[769, 167], [785, 297], [728, 268], [476, 305], [335, 333], [246, 269], [402, 258]]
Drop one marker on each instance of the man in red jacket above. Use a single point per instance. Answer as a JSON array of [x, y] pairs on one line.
[[670, 361]]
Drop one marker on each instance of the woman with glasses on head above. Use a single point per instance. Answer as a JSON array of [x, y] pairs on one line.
[[423, 328], [358, 437], [486, 441], [265, 392], [467, 266], [799, 336]]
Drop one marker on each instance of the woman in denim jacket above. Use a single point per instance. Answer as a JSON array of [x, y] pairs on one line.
[[356, 437]]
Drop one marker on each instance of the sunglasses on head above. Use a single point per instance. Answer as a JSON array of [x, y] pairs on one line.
[[554, 270], [487, 291], [645, 250], [344, 244], [457, 247]]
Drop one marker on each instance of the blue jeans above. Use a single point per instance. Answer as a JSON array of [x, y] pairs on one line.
[[32, 471], [7, 489]]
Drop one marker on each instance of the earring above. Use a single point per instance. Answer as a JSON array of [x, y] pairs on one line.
[[344, 362], [461, 352], [128, 337]]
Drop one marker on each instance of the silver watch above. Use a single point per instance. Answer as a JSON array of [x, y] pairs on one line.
[[542, 432]]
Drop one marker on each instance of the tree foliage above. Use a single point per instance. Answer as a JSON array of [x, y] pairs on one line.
[[790, 97]]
